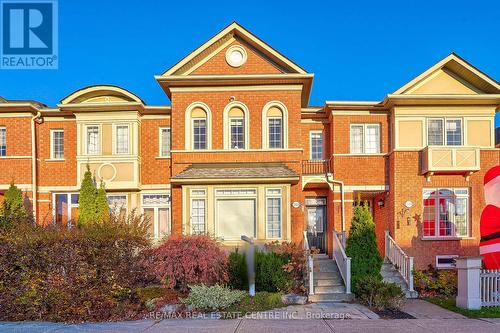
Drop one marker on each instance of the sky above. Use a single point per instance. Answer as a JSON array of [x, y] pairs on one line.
[[358, 50]]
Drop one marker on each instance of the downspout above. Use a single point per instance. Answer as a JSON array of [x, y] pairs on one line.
[[33, 164], [330, 180]]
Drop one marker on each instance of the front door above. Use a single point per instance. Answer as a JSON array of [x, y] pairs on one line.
[[316, 227]]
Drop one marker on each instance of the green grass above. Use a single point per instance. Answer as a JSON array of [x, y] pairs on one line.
[[449, 304], [263, 301]]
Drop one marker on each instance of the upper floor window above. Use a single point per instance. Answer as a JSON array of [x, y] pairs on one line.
[[274, 129], [444, 131], [235, 131], [446, 212], [165, 141], [365, 138], [198, 125], [93, 140], [3, 141], [122, 139], [57, 144], [316, 139]]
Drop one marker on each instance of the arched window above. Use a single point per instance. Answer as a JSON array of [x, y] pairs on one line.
[[198, 127], [236, 126], [275, 126]]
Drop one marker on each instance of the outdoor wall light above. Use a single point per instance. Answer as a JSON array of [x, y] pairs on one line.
[[408, 220], [381, 203]]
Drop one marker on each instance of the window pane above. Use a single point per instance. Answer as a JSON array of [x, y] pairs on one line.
[[461, 217], [163, 222], [275, 133], [435, 132], [237, 134], [199, 134], [165, 141], [122, 139], [198, 216], [429, 217], [274, 217], [454, 132], [92, 140], [3, 141], [149, 216], [357, 139], [117, 204], [58, 144], [316, 146], [62, 209], [372, 138]]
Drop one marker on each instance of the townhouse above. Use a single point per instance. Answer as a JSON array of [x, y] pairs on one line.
[[241, 152]]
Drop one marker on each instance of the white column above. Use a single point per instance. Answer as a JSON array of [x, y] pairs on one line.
[[469, 283]]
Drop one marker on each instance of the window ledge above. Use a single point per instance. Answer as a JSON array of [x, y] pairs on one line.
[[55, 160], [444, 238], [163, 157]]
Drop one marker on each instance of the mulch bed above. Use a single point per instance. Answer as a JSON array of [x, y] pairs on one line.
[[393, 314]]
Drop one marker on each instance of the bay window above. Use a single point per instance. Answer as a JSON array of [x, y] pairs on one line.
[[122, 139], [446, 212]]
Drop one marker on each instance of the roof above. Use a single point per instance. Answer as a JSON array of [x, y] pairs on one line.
[[232, 171]]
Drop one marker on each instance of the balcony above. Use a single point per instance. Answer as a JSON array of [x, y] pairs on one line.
[[450, 160], [315, 167]]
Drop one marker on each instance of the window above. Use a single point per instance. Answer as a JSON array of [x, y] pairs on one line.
[[57, 144], [122, 139], [156, 209], [275, 133], [446, 261], [316, 145], [198, 216], [65, 208], [3, 141], [273, 212], [165, 139], [444, 131], [117, 204], [199, 133], [93, 144], [365, 139], [237, 133], [446, 212]]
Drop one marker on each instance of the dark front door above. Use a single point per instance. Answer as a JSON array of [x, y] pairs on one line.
[[316, 227]]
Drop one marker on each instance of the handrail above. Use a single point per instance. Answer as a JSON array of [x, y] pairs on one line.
[[343, 262], [309, 263], [402, 262]]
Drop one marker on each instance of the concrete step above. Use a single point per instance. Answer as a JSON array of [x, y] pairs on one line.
[[331, 297], [326, 276], [328, 282], [394, 279], [329, 290], [321, 256]]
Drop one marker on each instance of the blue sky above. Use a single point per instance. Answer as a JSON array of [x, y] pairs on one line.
[[358, 50]]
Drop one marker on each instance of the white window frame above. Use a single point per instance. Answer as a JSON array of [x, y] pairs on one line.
[[445, 266], [282, 146], [311, 157], [444, 136], [206, 134], [4, 129], [244, 133], [70, 205], [365, 138], [115, 139], [160, 140], [111, 207], [271, 195], [156, 216], [99, 134], [52, 144], [197, 194], [437, 214]]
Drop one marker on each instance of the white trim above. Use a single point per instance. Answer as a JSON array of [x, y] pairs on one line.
[[70, 205], [156, 215], [188, 144], [160, 141], [278, 87], [226, 131], [322, 144], [115, 138], [52, 153], [239, 150], [364, 138], [239, 49], [445, 139], [445, 266], [265, 124], [274, 196], [85, 147]]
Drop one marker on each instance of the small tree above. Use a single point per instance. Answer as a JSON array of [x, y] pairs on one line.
[[101, 201], [362, 246], [13, 205], [87, 199]]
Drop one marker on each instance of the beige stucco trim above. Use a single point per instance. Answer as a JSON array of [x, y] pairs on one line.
[[233, 151], [22, 187], [104, 88], [358, 113], [209, 56], [155, 116], [278, 87], [15, 157]]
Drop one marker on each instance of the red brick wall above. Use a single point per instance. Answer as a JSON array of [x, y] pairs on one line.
[[153, 169], [18, 139]]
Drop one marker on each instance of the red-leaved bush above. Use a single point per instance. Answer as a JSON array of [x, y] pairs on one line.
[[181, 261]]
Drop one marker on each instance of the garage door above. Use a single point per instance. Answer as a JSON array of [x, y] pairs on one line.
[[236, 217]]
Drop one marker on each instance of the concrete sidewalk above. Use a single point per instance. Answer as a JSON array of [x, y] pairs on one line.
[[251, 326]]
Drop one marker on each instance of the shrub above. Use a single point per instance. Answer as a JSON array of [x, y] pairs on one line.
[[433, 282], [379, 295], [295, 267], [262, 301], [188, 260], [269, 273], [362, 246], [79, 274], [215, 297], [237, 270]]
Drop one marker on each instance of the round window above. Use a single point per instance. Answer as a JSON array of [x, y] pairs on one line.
[[236, 56]]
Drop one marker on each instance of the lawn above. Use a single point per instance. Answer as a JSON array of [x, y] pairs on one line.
[[449, 304], [263, 301]]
